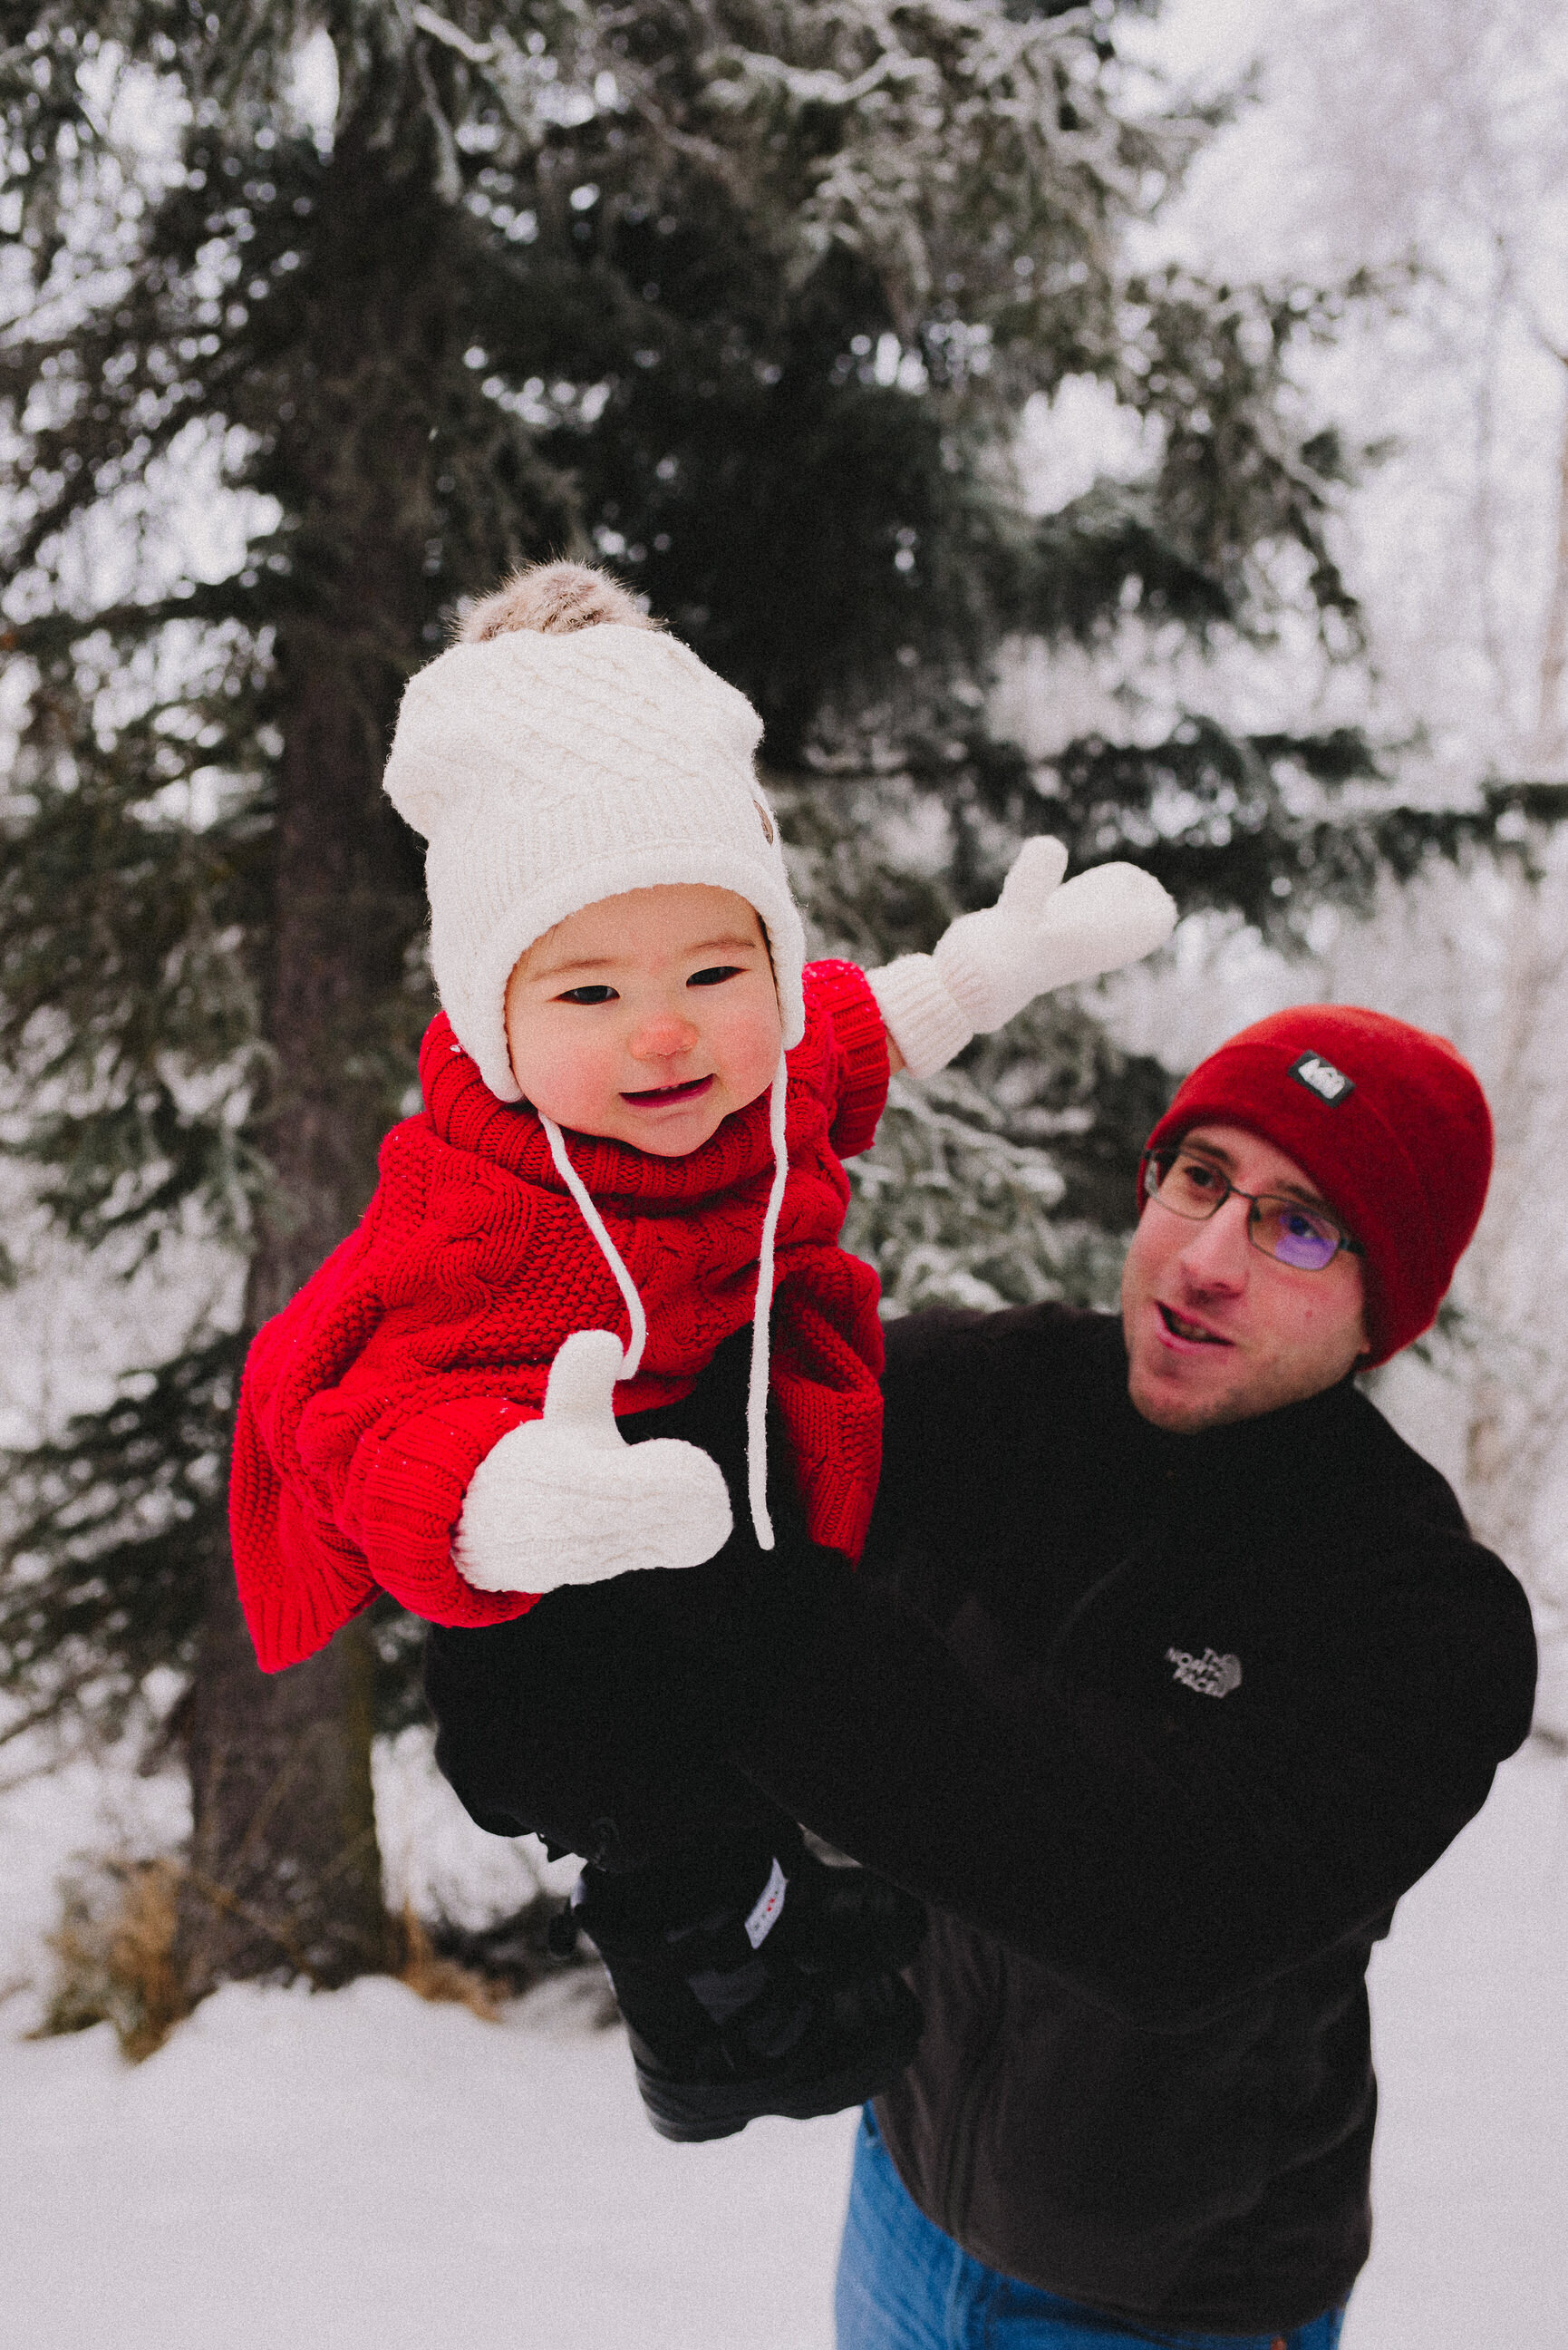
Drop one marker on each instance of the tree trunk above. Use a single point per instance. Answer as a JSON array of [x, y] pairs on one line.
[[1552, 722], [285, 1873], [1513, 1276], [284, 1877]]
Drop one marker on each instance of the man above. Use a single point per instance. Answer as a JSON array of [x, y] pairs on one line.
[[1168, 1669], [1233, 1676]]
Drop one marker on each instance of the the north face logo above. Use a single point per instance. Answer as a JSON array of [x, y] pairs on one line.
[[1320, 1077], [1210, 1675]]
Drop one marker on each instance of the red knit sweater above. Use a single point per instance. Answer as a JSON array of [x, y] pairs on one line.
[[369, 1402]]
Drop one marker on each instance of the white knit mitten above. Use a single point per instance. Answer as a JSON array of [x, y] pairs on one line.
[[986, 967], [565, 1499]]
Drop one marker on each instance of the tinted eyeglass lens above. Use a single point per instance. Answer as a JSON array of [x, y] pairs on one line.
[[1185, 1185], [1293, 1234]]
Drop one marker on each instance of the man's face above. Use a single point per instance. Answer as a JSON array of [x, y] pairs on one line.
[[1216, 1331]]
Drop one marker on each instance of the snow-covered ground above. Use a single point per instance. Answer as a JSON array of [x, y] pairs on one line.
[[362, 2172], [1469, 2004]]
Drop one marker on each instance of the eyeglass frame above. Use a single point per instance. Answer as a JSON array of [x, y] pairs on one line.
[[1174, 1151]]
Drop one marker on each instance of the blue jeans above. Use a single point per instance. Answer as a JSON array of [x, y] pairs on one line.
[[903, 2285]]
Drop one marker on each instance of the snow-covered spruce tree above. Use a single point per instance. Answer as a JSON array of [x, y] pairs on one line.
[[746, 297]]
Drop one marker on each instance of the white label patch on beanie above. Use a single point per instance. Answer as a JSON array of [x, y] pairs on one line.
[[1320, 1077]]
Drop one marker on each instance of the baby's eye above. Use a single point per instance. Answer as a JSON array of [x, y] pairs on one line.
[[587, 995], [713, 975]]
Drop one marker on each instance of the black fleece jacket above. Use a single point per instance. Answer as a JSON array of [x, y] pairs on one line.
[[1163, 1726], [1205, 1708]]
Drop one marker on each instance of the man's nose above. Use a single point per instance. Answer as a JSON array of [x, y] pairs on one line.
[[1216, 1256], [662, 1037]]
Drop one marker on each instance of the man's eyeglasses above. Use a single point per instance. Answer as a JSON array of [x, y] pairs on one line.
[[1278, 1227]]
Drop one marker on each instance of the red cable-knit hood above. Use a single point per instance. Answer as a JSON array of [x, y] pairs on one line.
[[428, 1334]]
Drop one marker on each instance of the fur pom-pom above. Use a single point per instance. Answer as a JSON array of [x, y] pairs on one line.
[[554, 598]]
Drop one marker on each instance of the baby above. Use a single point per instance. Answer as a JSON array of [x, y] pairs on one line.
[[443, 1411]]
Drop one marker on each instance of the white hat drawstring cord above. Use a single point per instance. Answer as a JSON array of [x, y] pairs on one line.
[[761, 1311], [596, 1224]]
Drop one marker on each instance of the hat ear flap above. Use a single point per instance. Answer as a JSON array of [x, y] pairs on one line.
[[420, 780]]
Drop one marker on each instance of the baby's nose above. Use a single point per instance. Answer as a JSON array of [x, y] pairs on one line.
[[663, 1038]]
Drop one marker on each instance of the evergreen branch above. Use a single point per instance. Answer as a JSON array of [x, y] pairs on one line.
[[63, 1691], [109, 1529]]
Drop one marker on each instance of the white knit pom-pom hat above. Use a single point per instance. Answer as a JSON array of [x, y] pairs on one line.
[[567, 750]]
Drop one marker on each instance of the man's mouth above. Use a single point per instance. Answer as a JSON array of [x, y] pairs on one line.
[[659, 1096], [1193, 1331]]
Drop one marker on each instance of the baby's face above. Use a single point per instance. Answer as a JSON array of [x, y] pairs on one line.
[[647, 1018]]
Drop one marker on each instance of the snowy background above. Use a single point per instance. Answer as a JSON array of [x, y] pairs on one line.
[[365, 2169]]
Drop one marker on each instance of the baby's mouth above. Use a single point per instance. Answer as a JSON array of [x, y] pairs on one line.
[[657, 1096], [1193, 1331]]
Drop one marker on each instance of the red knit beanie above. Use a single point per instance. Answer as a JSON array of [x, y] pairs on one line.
[[1390, 1124]]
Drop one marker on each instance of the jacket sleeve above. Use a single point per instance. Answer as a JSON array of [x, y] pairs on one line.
[[857, 1075], [350, 1464], [1159, 1888], [353, 1502], [1159, 1877]]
